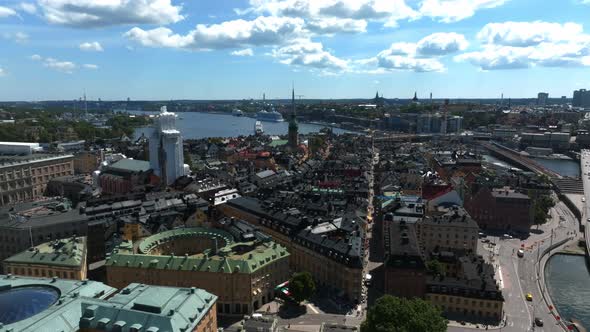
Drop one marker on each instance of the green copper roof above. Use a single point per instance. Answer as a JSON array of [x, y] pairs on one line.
[[149, 308], [278, 142], [62, 315], [68, 252], [243, 257], [131, 165], [153, 241]]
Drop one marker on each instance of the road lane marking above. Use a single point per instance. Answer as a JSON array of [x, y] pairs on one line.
[[521, 292], [312, 308]]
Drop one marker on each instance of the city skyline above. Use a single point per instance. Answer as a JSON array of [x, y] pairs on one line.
[[332, 49]]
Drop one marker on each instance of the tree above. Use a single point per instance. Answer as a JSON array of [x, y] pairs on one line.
[[394, 314], [434, 267], [301, 286]]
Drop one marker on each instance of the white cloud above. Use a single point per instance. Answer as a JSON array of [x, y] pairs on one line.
[[522, 34], [441, 44], [422, 56], [400, 62], [448, 11], [2, 72], [306, 53], [386, 11], [92, 13], [62, 66], [67, 67], [331, 25], [91, 47], [262, 31], [90, 66], [5, 12], [28, 7], [244, 52], [514, 45], [498, 57], [18, 37]]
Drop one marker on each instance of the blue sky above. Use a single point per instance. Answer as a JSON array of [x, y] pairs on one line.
[[222, 49]]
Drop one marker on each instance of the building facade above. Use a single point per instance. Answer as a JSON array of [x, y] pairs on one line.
[[25, 178], [581, 98], [501, 209], [65, 258], [448, 229], [331, 252], [29, 224], [166, 150], [86, 162], [242, 273]]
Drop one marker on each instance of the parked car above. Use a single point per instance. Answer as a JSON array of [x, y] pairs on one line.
[[529, 297], [538, 321], [520, 253]]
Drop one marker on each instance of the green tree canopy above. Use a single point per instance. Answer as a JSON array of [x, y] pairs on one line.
[[434, 267], [393, 314], [302, 286]]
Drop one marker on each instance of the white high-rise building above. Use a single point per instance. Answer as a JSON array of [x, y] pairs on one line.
[[166, 151]]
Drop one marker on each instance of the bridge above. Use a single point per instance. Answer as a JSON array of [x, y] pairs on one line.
[[515, 158], [585, 166]]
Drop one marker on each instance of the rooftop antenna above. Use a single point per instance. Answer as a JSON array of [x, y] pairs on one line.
[[431, 105]]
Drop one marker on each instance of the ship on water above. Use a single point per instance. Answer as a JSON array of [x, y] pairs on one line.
[[272, 116], [237, 112], [258, 128]]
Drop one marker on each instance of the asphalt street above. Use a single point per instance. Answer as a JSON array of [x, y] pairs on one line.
[[519, 275]]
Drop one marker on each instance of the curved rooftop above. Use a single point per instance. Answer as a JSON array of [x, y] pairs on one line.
[[150, 244], [20, 303]]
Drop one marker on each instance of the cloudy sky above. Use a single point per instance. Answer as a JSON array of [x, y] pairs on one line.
[[233, 49]]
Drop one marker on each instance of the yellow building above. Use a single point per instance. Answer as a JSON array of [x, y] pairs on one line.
[[64, 259], [243, 274]]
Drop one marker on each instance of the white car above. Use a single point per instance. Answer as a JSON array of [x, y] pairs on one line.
[[520, 253]]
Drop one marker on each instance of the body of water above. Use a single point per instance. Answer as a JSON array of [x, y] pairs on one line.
[[560, 166], [568, 282], [563, 167], [194, 125]]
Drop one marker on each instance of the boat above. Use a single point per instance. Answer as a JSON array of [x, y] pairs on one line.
[[272, 116], [258, 128], [237, 112]]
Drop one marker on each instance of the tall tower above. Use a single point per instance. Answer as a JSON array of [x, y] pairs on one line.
[[166, 150], [293, 126]]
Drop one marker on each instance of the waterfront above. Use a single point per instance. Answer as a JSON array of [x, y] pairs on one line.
[[568, 282], [565, 167], [195, 125]]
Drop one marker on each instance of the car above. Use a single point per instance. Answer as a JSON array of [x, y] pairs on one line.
[[506, 236], [529, 297], [520, 253], [538, 321], [481, 235], [485, 240], [583, 199]]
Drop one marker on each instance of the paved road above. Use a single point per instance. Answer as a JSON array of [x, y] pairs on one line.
[[519, 275]]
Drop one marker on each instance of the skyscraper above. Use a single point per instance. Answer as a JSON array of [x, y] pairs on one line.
[[166, 152], [542, 98], [293, 126], [581, 98]]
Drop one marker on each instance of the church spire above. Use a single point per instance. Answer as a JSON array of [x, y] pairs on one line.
[[293, 127]]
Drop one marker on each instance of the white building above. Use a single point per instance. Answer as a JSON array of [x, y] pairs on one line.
[[18, 148], [166, 152]]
